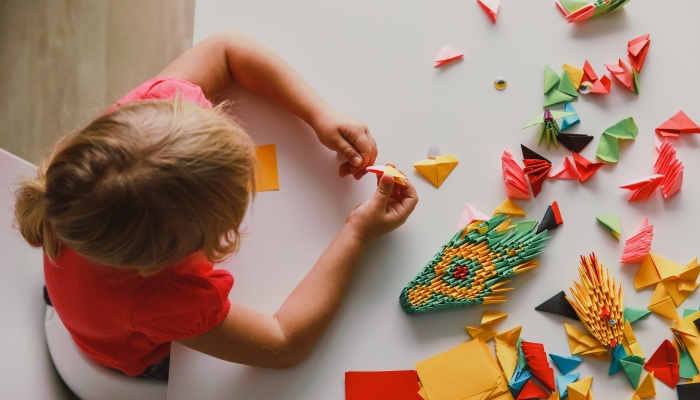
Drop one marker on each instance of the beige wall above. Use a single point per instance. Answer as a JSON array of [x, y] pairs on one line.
[[63, 61]]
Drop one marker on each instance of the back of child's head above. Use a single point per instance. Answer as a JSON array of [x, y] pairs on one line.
[[144, 186]]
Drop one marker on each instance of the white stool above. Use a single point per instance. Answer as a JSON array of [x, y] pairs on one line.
[[88, 379]]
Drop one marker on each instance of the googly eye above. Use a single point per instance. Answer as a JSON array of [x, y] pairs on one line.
[[500, 83], [613, 322], [585, 87]]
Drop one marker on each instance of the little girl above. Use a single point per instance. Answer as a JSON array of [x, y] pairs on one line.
[[133, 211]]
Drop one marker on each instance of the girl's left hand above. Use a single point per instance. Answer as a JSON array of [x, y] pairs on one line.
[[348, 137]]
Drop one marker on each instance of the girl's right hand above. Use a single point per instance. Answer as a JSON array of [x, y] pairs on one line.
[[386, 210]]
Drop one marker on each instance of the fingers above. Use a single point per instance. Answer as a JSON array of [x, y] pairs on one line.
[[383, 193], [409, 201], [344, 170]]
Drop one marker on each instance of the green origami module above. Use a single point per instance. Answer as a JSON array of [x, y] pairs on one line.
[[472, 268], [608, 147], [549, 129], [601, 6]]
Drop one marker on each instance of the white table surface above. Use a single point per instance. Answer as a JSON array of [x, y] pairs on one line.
[[373, 59]]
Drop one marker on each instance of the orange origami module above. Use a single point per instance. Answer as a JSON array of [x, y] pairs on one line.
[[437, 169]]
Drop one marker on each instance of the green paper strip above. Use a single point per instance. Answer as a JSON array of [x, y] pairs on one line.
[[608, 147]]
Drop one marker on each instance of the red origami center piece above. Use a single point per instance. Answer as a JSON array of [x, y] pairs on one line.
[[461, 272], [604, 313]]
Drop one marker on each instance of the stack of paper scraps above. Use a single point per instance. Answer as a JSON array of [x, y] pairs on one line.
[[673, 283], [548, 126], [608, 147], [668, 165], [643, 188], [514, 177], [536, 169], [475, 264], [638, 244], [577, 10]]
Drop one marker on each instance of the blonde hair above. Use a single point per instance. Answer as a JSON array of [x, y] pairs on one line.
[[144, 187]]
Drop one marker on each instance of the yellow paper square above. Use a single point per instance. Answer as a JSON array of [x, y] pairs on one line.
[[267, 178]]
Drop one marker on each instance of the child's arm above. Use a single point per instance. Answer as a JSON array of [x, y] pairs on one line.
[[282, 340], [232, 56]]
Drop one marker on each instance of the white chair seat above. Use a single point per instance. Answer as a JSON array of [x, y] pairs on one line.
[[88, 379]]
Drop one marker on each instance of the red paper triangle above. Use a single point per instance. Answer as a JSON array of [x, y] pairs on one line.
[[381, 385], [536, 171], [588, 73], [679, 123], [585, 167], [531, 391], [664, 363], [602, 86]]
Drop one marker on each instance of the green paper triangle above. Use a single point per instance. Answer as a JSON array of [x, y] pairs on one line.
[[608, 149], [528, 225], [612, 224], [633, 314], [566, 85], [556, 97], [633, 371], [636, 82], [687, 368], [625, 129], [687, 312], [550, 79], [573, 5]]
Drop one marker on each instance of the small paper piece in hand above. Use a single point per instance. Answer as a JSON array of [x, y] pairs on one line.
[[388, 170]]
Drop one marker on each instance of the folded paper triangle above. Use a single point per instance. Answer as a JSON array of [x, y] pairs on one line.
[[554, 396], [664, 364], [558, 304], [647, 274], [566, 85], [637, 51], [608, 149], [638, 244], [625, 74], [668, 165], [689, 391], [574, 141], [491, 318], [618, 354], [446, 55], [602, 86], [589, 74], [633, 314], [679, 123], [564, 381], [584, 345], [568, 122], [388, 170], [520, 378], [508, 207], [531, 391], [470, 215], [566, 364], [481, 334], [531, 155], [537, 361], [632, 365], [662, 303], [575, 74], [438, 169], [506, 350], [536, 171], [629, 341], [567, 170], [490, 7], [586, 168], [458, 275], [381, 385], [643, 189], [581, 390], [647, 388], [514, 177], [612, 224], [551, 79], [551, 220], [556, 97]]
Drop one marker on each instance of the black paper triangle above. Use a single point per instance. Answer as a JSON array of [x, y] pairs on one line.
[[549, 221], [574, 141], [559, 305], [531, 155], [697, 325], [690, 391]]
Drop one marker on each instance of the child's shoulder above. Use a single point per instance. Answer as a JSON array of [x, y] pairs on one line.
[[165, 88]]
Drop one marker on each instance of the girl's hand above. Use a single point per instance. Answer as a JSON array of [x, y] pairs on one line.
[[348, 137], [386, 210]]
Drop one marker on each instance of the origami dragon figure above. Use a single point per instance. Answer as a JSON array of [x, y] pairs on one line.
[[473, 267], [577, 10], [598, 302]]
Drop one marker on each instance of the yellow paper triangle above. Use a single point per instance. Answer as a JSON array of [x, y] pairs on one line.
[[554, 396], [687, 286], [696, 379], [481, 334], [445, 164], [647, 388], [509, 207], [629, 341], [266, 177], [646, 274], [635, 397], [491, 318], [662, 304], [510, 337], [428, 168], [676, 294], [665, 267], [576, 74], [691, 271], [394, 172], [580, 390]]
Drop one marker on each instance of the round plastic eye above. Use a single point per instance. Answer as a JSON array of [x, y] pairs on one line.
[[613, 322], [500, 83], [585, 87], [434, 151]]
